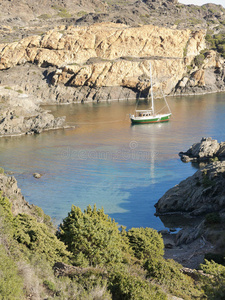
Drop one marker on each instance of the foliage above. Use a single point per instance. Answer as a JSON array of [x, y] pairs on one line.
[[44, 16], [20, 91], [37, 237], [41, 216], [198, 60], [185, 50], [63, 13], [92, 237], [168, 274], [11, 285], [2, 171], [217, 42], [127, 286], [146, 243], [212, 218], [50, 285], [6, 209], [214, 284]]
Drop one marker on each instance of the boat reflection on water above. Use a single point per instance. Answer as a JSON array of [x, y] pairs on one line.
[[149, 135]]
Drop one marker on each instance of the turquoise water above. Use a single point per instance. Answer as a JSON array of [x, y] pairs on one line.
[[105, 160]]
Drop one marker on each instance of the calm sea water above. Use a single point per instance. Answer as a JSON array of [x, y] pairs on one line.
[[105, 160]]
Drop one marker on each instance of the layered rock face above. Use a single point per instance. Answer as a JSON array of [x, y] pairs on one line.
[[109, 55], [206, 150], [202, 193]]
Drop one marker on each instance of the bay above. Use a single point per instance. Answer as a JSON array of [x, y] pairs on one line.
[[105, 160]]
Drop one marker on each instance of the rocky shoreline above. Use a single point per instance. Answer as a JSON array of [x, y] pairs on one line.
[[207, 150], [201, 199], [21, 113]]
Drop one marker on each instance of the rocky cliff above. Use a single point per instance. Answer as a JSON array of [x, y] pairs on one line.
[[9, 189], [108, 55], [199, 194]]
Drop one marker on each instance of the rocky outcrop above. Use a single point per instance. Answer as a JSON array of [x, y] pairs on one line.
[[21, 114], [206, 150], [12, 124], [9, 189], [205, 74], [108, 55], [202, 193]]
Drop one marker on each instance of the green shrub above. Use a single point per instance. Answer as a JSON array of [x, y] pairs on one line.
[[38, 238], [217, 42], [214, 285], [146, 242], [11, 284], [63, 13], [44, 16], [6, 209], [124, 285], [50, 285], [198, 60], [93, 234], [168, 274], [2, 171], [212, 218]]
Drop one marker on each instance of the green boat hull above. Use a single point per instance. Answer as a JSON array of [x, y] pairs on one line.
[[151, 120]]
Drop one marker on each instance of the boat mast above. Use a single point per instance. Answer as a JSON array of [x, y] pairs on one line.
[[153, 108]]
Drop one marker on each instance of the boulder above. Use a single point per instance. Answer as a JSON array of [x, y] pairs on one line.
[[37, 175], [199, 194], [205, 150]]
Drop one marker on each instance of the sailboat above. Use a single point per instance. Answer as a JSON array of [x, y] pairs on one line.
[[149, 115]]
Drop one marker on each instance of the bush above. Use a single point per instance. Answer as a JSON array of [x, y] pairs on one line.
[[198, 60], [126, 286], [92, 236], [11, 285], [214, 286], [212, 218], [50, 285], [217, 42], [168, 274], [38, 238], [44, 16], [146, 243]]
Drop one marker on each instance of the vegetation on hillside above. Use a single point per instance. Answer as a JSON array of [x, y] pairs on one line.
[[99, 259], [216, 42]]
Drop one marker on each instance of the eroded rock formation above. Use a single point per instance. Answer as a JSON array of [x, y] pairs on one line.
[[199, 194], [109, 54], [206, 150]]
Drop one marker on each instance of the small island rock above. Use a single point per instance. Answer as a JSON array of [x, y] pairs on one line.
[[37, 175], [206, 150]]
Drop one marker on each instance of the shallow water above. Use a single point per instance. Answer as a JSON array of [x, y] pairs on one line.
[[105, 160]]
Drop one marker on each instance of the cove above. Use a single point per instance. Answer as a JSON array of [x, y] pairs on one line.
[[105, 160]]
